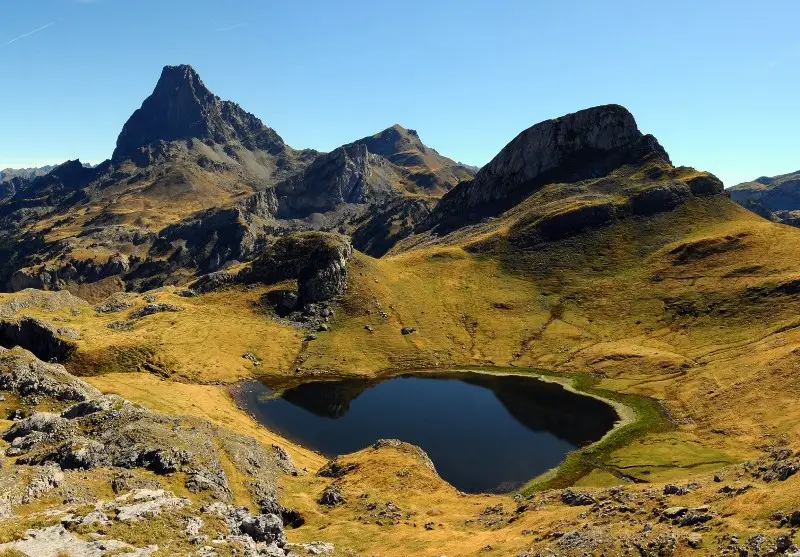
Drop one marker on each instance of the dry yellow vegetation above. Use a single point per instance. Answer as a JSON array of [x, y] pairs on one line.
[[696, 308]]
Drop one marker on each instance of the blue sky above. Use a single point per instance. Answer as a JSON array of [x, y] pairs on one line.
[[715, 81]]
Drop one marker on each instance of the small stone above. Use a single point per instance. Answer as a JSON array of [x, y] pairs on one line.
[[672, 489], [694, 540], [408, 330], [674, 512]]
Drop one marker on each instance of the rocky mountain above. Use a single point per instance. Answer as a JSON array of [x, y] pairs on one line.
[[25, 173], [196, 183], [583, 170], [586, 144], [775, 198], [13, 180], [424, 169], [181, 108]]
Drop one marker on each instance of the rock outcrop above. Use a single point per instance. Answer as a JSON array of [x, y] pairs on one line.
[[44, 340], [25, 374], [316, 260], [578, 146]]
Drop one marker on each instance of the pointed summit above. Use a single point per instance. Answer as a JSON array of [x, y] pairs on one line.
[[431, 172], [394, 141], [181, 107]]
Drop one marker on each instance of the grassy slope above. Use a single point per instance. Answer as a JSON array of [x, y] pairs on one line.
[[685, 307], [602, 302]]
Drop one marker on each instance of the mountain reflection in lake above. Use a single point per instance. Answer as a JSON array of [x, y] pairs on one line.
[[483, 432]]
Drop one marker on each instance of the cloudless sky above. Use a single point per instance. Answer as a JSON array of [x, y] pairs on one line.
[[716, 82]]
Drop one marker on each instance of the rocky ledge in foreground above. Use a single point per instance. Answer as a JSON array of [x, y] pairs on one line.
[[63, 427]]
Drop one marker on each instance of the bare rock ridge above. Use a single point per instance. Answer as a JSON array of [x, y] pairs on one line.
[[424, 169], [347, 175], [776, 198], [586, 144], [182, 108]]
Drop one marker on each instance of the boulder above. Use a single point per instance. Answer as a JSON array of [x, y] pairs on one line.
[[316, 260], [332, 497], [576, 498], [264, 528]]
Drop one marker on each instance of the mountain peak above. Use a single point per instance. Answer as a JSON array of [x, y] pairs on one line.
[[585, 144], [183, 77], [181, 107], [392, 141]]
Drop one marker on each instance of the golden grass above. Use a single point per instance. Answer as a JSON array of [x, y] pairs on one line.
[[715, 337]]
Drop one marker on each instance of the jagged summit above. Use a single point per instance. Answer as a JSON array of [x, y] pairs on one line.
[[181, 107], [577, 146]]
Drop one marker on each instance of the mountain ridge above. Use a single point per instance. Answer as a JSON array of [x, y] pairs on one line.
[[776, 198]]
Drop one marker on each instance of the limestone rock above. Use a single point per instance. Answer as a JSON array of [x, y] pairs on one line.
[[317, 261], [578, 146]]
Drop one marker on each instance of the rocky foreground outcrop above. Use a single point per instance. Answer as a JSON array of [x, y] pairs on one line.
[[121, 441]]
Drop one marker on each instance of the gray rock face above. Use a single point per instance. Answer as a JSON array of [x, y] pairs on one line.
[[24, 374], [264, 528], [577, 146], [332, 497], [380, 229], [215, 237], [347, 175], [37, 336], [182, 108], [318, 261]]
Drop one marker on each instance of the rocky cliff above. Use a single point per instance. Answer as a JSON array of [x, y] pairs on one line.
[[578, 146], [182, 108], [316, 260]]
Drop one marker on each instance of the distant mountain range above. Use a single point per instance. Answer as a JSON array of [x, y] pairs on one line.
[[25, 173], [776, 198], [196, 182]]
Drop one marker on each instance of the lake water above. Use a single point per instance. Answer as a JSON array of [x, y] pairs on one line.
[[484, 433]]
